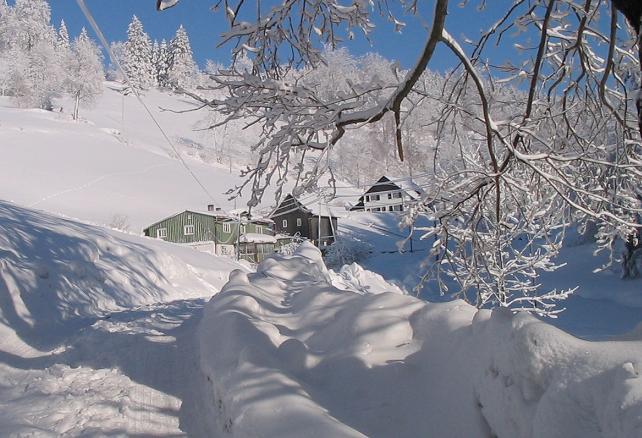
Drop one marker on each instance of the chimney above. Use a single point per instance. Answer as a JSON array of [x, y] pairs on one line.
[[210, 207]]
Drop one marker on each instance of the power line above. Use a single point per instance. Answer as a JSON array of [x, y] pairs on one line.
[[90, 18]]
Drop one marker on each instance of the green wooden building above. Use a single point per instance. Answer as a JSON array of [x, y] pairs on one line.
[[218, 233]]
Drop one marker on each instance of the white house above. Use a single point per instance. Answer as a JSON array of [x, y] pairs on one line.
[[389, 195]]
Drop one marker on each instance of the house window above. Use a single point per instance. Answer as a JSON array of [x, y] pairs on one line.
[[389, 195], [298, 222], [189, 218], [397, 195], [243, 229], [161, 233], [259, 229], [188, 230], [285, 223], [390, 208], [367, 198], [377, 197], [227, 228]]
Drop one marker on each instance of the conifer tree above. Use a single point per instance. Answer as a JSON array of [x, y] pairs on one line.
[[163, 65], [138, 56], [182, 71], [155, 61], [63, 36]]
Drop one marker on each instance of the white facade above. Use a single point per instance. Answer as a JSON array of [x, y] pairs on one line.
[[394, 200]]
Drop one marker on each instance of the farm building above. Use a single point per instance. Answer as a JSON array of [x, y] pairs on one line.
[[295, 219], [389, 195], [213, 231]]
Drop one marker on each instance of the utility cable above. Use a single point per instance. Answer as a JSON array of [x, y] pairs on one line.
[[90, 18]]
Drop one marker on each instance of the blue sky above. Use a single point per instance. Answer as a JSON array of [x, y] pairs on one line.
[[205, 26]]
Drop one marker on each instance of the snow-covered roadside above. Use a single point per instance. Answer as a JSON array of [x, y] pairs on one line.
[[289, 354], [97, 329]]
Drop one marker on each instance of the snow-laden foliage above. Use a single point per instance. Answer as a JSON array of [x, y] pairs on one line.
[[86, 75], [182, 68], [153, 64], [39, 64], [346, 251], [544, 128], [138, 56]]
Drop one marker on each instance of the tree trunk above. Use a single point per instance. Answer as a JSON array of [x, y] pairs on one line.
[[76, 106], [629, 257]]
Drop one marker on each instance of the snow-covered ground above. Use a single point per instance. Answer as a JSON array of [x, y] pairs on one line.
[[97, 329], [288, 354], [99, 169]]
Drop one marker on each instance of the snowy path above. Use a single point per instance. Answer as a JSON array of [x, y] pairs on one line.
[[134, 373]]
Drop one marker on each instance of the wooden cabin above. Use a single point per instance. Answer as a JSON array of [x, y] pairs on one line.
[[294, 219], [212, 231]]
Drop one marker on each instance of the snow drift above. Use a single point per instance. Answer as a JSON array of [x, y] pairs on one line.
[[57, 275], [289, 354], [96, 331]]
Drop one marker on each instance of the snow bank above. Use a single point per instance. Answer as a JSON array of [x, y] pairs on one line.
[[289, 354], [57, 275]]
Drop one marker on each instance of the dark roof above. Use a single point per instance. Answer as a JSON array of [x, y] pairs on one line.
[[358, 206], [288, 205], [383, 185]]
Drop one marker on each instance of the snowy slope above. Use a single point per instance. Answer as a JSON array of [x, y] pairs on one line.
[[97, 329], [95, 169], [290, 355]]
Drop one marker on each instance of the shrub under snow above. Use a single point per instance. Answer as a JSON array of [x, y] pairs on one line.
[[346, 251]]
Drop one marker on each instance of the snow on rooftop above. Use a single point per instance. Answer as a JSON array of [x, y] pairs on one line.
[[257, 238]]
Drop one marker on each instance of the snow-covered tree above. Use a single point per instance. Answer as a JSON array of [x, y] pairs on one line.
[[32, 71], [182, 71], [531, 118], [31, 24], [117, 49], [138, 56], [85, 79], [162, 65], [63, 40]]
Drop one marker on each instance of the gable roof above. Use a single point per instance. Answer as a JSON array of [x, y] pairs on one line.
[[385, 184], [290, 204]]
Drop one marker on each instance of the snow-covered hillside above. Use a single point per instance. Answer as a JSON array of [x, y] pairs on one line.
[[97, 329], [98, 168], [290, 355]]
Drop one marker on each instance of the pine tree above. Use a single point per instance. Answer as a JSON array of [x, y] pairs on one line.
[[163, 65], [155, 60], [138, 56], [183, 69], [63, 36]]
